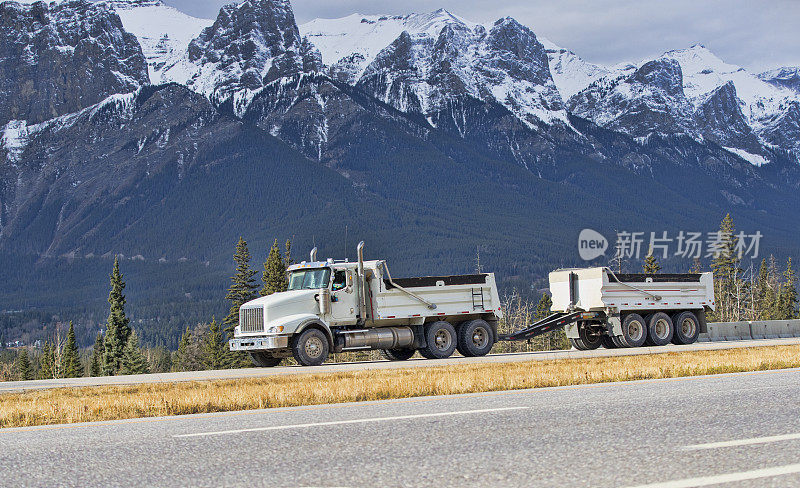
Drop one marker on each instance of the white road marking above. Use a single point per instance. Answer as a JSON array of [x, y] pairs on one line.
[[743, 442], [726, 478], [352, 421]]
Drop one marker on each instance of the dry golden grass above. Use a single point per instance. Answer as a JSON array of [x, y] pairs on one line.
[[69, 405]]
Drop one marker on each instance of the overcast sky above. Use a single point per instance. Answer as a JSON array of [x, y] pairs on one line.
[[755, 34]]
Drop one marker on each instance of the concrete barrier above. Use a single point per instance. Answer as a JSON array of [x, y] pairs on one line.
[[729, 331]]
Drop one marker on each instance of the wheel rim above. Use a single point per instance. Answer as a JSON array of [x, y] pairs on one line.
[[635, 330], [480, 338], [442, 339], [662, 328], [688, 327], [313, 347]]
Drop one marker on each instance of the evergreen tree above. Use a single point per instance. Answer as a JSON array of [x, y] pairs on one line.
[[117, 327], [728, 284], [243, 286], [543, 307], [187, 357], [651, 265], [24, 369], [70, 360], [764, 295], [274, 277], [98, 353], [787, 297], [215, 350], [133, 361], [47, 362]]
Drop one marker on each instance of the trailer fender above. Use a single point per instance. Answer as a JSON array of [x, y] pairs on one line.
[[614, 325], [572, 330]]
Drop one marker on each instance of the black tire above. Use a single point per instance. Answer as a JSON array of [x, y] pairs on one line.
[[311, 347], [660, 329], [475, 338], [440, 340], [686, 327], [588, 339], [609, 342], [397, 354], [264, 359], [634, 331], [618, 341]]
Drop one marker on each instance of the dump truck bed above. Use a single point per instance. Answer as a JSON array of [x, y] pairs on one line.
[[599, 289], [457, 295]]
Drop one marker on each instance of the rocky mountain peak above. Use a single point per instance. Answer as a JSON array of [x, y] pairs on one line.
[[61, 57], [785, 77]]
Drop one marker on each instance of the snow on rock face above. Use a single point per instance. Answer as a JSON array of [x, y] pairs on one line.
[[163, 32], [787, 77], [571, 74], [420, 62], [61, 57], [249, 45]]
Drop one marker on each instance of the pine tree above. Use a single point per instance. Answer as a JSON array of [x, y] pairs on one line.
[[243, 287], [274, 277], [543, 307], [117, 328], [651, 265], [215, 350], [187, 357], [728, 284], [787, 296], [98, 353], [47, 362], [24, 369], [71, 361], [133, 361]]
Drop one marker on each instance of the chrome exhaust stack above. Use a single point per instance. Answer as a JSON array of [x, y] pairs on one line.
[[362, 283], [313, 255]]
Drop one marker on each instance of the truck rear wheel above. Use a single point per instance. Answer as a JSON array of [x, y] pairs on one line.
[[397, 354], [609, 342], [687, 328], [659, 329], [475, 338], [264, 359], [634, 330], [310, 348], [440, 340]]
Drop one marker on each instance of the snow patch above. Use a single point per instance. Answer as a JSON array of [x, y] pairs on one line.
[[15, 139], [754, 159]]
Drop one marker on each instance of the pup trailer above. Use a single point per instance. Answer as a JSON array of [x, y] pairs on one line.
[[338, 306]]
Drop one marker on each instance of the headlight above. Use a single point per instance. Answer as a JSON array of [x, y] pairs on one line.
[[275, 329]]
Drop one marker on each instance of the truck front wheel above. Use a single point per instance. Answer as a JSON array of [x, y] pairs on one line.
[[310, 348], [440, 340], [264, 360], [475, 338]]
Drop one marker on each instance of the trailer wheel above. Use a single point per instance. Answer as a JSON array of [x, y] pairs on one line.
[[440, 340], [587, 340], [687, 328], [264, 360], [618, 341], [397, 354], [475, 338], [659, 329], [310, 348], [634, 330]]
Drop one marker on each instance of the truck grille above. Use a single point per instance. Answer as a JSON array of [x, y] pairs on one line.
[[251, 320]]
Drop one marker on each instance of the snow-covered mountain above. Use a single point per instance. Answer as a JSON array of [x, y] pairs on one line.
[[786, 77], [420, 62]]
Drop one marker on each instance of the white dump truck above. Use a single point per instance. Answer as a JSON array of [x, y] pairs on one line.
[[598, 307], [337, 306]]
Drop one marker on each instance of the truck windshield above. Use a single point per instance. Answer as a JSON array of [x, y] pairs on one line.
[[308, 279]]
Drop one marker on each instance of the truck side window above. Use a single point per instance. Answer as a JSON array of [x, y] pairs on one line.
[[339, 280]]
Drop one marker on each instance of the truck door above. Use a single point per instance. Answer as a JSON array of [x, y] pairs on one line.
[[343, 297]]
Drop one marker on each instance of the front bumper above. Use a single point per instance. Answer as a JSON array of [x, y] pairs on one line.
[[259, 343]]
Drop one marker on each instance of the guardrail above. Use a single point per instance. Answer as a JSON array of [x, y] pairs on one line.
[[761, 329]]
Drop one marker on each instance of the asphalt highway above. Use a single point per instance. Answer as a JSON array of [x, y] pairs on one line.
[[17, 386], [740, 430]]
